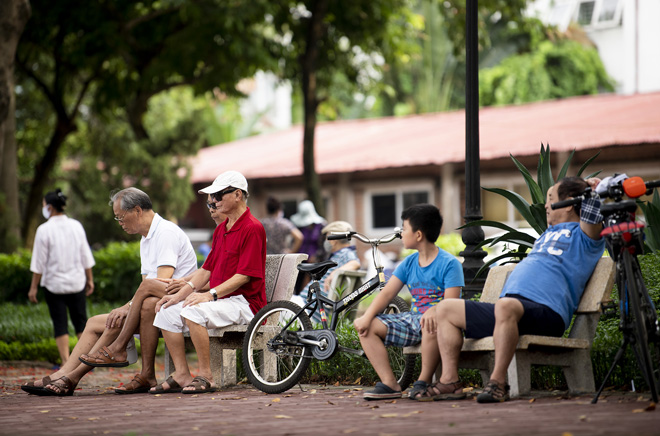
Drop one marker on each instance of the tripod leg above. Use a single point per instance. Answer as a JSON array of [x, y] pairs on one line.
[[617, 358]]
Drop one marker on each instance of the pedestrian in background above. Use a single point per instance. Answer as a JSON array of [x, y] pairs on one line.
[[62, 263], [310, 224], [282, 236]]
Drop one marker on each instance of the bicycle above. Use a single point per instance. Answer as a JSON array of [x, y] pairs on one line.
[[624, 238], [280, 341]]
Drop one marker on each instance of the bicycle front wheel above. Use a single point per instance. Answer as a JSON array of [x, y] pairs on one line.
[[272, 364], [403, 365], [645, 351]]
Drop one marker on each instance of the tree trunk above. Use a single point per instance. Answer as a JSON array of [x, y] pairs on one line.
[[315, 33], [65, 125], [13, 16]]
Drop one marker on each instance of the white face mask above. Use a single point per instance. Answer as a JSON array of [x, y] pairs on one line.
[[327, 246], [45, 212]]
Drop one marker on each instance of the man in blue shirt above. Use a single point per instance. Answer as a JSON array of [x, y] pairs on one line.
[[538, 298]]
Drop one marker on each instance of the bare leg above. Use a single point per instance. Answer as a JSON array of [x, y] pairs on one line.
[[200, 339], [373, 346], [176, 346], [508, 312], [93, 330], [148, 288], [450, 319], [62, 342], [430, 356]]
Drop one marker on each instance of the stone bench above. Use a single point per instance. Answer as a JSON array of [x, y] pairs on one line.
[[281, 274], [571, 353]]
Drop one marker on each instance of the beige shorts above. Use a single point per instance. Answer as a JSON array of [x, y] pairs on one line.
[[212, 314]]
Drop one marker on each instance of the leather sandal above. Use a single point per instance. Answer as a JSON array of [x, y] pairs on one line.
[[30, 388], [64, 386], [139, 385], [201, 385], [103, 358]]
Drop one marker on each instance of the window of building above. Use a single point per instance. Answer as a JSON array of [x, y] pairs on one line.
[[384, 207], [599, 13]]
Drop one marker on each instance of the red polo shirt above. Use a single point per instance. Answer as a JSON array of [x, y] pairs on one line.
[[241, 250]]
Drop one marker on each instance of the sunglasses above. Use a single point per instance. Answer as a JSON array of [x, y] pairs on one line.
[[218, 195], [211, 206]]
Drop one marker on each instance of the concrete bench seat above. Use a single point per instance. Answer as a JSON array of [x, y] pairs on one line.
[[281, 274], [571, 353]]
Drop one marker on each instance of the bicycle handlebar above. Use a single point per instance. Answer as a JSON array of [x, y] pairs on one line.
[[633, 187], [360, 237]]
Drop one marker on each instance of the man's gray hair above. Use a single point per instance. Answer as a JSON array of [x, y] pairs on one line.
[[131, 197]]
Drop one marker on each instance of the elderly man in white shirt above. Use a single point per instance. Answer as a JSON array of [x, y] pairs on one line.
[[165, 252]]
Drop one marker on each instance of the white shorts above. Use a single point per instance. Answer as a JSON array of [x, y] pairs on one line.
[[212, 314]]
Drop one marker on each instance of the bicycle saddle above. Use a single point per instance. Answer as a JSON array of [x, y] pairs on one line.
[[316, 270]]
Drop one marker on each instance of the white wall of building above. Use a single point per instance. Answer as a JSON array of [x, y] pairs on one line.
[[629, 45]]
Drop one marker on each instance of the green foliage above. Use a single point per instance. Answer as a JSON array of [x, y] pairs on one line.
[[116, 274], [552, 70], [533, 213], [651, 211], [15, 276], [450, 242]]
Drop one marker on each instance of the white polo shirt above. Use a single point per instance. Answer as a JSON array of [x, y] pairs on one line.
[[61, 254], [166, 245]]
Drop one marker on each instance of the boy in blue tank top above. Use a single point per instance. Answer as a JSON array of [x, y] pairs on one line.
[[539, 297], [431, 274]]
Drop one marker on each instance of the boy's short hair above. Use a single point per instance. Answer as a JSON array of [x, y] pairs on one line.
[[425, 218]]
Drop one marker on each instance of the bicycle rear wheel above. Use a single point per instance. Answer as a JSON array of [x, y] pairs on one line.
[[403, 365], [642, 317], [272, 365]]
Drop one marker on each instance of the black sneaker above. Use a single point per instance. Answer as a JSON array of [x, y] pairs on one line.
[[494, 393]]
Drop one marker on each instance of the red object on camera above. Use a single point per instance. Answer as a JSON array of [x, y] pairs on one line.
[[634, 187]]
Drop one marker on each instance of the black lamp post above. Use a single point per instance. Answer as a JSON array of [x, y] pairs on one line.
[[472, 236]]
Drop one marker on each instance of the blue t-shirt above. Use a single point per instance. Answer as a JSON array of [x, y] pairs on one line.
[[557, 269], [427, 284]]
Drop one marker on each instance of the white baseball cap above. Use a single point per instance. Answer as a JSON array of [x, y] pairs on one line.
[[225, 180]]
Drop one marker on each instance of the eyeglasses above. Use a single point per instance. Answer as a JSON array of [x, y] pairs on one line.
[[218, 195], [121, 219], [211, 206]]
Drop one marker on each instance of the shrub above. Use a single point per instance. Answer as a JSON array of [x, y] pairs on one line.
[[116, 273], [15, 275]]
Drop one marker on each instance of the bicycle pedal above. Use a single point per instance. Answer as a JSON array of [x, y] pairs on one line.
[[351, 351]]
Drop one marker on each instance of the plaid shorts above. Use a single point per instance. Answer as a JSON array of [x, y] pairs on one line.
[[403, 329]]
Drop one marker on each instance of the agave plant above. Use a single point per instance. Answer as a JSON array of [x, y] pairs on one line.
[[651, 211], [534, 213]]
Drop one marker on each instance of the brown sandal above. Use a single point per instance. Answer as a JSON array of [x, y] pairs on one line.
[[64, 386], [443, 391], [201, 385], [103, 358], [139, 385], [30, 388]]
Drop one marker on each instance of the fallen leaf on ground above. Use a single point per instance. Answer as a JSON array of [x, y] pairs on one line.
[[276, 400], [532, 400], [350, 430], [331, 403], [389, 415], [93, 419], [651, 407], [44, 411], [313, 391], [282, 417], [583, 417], [414, 412]]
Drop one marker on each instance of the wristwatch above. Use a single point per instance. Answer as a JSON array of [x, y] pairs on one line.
[[214, 293]]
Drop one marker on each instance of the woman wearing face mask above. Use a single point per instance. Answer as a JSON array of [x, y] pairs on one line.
[[62, 263], [341, 252]]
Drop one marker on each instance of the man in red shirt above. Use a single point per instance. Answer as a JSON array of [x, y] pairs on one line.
[[235, 271]]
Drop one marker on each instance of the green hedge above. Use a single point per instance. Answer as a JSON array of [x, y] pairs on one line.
[[116, 274]]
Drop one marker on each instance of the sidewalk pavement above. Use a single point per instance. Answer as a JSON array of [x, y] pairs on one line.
[[95, 409]]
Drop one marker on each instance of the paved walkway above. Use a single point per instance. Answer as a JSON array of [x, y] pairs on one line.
[[95, 409]]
